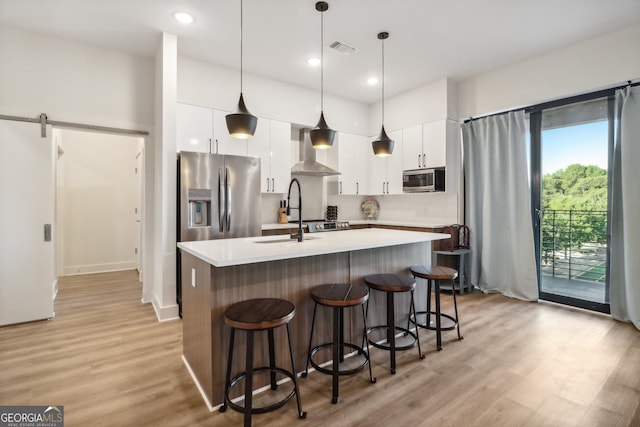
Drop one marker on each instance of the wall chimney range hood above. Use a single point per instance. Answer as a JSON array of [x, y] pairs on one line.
[[308, 165]]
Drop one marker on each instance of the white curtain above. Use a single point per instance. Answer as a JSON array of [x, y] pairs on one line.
[[498, 206], [625, 211]]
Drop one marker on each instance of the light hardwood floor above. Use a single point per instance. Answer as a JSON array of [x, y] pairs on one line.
[[110, 363]]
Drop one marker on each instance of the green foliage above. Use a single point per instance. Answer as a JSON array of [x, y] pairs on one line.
[[577, 187], [574, 201]]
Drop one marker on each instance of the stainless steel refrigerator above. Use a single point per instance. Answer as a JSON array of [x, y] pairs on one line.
[[219, 197]]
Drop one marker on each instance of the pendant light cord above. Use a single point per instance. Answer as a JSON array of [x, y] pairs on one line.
[[241, 31], [383, 82], [321, 61]]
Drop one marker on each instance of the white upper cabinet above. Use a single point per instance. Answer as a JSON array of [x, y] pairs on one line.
[[425, 145], [353, 152], [272, 143], [194, 128], [434, 144], [385, 173], [223, 142]]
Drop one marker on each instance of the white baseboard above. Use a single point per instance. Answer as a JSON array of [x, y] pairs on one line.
[[98, 268], [166, 313], [200, 389]]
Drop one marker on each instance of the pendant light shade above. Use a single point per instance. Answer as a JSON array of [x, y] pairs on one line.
[[241, 123], [322, 135], [383, 145]]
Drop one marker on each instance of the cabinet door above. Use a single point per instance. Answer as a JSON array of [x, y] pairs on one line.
[[348, 163], [377, 172], [258, 146], [194, 128], [412, 147], [394, 164], [280, 156], [225, 143], [434, 143]]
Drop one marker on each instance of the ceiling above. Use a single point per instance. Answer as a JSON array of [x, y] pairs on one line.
[[429, 39]]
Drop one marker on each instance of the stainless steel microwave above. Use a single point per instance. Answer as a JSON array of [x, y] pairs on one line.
[[422, 180]]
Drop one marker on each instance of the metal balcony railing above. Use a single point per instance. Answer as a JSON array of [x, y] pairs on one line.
[[574, 244]]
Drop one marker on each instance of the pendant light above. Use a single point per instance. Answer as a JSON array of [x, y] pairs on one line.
[[383, 145], [322, 135], [241, 123]]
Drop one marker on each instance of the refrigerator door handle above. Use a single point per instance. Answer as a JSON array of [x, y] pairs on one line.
[[221, 202], [227, 187]]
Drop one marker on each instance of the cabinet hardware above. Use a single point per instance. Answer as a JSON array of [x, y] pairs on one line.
[[267, 185], [419, 166], [340, 187], [357, 188], [273, 185], [424, 160]]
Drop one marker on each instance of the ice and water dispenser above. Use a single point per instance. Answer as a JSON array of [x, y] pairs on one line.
[[199, 207]]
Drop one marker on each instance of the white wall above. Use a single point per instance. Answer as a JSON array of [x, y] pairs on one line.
[[207, 85], [98, 201], [424, 104], [584, 67]]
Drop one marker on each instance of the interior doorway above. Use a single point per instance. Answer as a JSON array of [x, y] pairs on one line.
[[99, 192]]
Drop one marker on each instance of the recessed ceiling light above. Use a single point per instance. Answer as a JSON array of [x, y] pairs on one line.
[[183, 17], [314, 62], [372, 81]]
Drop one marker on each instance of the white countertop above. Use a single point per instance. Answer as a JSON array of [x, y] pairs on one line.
[[248, 250]]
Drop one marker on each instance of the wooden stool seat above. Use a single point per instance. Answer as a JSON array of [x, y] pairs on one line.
[[340, 295], [434, 272], [390, 283], [259, 314]]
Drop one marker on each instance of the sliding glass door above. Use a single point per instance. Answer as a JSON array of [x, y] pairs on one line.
[[571, 143]]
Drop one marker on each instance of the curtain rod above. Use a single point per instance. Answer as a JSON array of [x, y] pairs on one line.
[[43, 120], [555, 103]]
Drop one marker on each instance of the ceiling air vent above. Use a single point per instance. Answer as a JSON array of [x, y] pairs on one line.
[[342, 48]]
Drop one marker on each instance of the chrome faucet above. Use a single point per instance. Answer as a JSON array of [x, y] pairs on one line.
[[300, 234]]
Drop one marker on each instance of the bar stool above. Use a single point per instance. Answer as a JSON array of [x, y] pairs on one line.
[[436, 274], [339, 296], [391, 284], [259, 315]]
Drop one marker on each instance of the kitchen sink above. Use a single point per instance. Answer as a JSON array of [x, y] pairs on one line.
[[286, 240]]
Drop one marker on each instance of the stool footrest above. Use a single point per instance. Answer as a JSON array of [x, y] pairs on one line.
[[447, 322], [328, 371], [385, 345], [260, 410]]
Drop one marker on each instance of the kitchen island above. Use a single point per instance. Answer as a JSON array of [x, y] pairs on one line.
[[218, 273]]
